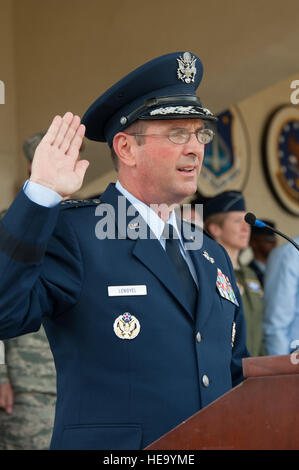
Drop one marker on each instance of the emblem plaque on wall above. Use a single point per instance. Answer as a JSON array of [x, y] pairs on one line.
[[281, 156], [227, 158]]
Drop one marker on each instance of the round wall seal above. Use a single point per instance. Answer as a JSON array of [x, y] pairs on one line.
[[280, 146]]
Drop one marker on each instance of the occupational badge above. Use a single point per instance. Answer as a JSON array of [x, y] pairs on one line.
[[208, 257], [126, 326], [186, 70], [224, 287], [233, 333]]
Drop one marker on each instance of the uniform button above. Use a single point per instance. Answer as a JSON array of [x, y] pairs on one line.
[[205, 380], [198, 337]]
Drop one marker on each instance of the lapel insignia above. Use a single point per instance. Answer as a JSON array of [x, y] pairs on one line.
[[126, 326], [133, 225], [208, 257], [224, 287], [233, 333]]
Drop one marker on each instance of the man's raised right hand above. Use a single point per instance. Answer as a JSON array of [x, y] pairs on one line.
[[55, 163]]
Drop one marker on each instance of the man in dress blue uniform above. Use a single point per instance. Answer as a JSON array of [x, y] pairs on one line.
[[145, 330]]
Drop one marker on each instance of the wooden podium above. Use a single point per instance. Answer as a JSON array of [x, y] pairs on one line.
[[260, 413]]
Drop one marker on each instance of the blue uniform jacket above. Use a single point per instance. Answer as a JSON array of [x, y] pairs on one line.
[[115, 393]]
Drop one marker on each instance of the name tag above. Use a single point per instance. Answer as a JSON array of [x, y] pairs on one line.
[[114, 291]]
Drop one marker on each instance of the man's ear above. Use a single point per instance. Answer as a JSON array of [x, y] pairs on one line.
[[124, 146]]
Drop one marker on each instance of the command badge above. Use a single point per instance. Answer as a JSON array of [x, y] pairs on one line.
[[126, 326]]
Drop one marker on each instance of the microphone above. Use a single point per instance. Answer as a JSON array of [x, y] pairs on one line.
[[252, 220]]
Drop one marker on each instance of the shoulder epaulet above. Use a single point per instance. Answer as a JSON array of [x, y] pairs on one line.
[[73, 203]]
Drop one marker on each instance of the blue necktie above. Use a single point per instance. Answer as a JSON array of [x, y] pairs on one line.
[[172, 247]]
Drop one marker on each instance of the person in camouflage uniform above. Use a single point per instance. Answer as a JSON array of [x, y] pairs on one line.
[[252, 297], [224, 219], [27, 380]]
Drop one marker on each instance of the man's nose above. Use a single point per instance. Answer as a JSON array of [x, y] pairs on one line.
[[193, 146]]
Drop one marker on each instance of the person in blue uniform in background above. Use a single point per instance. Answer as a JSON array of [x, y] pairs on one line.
[[281, 317], [144, 318], [262, 242]]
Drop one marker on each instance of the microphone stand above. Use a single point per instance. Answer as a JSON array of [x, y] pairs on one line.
[[284, 236], [254, 222]]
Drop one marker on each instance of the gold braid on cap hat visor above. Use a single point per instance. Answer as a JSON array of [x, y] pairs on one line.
[[154, 102]]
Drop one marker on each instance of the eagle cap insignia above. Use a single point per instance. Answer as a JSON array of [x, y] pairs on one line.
[[187, 69], [126, 326]]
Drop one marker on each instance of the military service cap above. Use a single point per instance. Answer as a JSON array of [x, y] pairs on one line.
[[226, 201], [163, 88]]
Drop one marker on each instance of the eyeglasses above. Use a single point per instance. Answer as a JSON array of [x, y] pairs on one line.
[[182, 136]]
